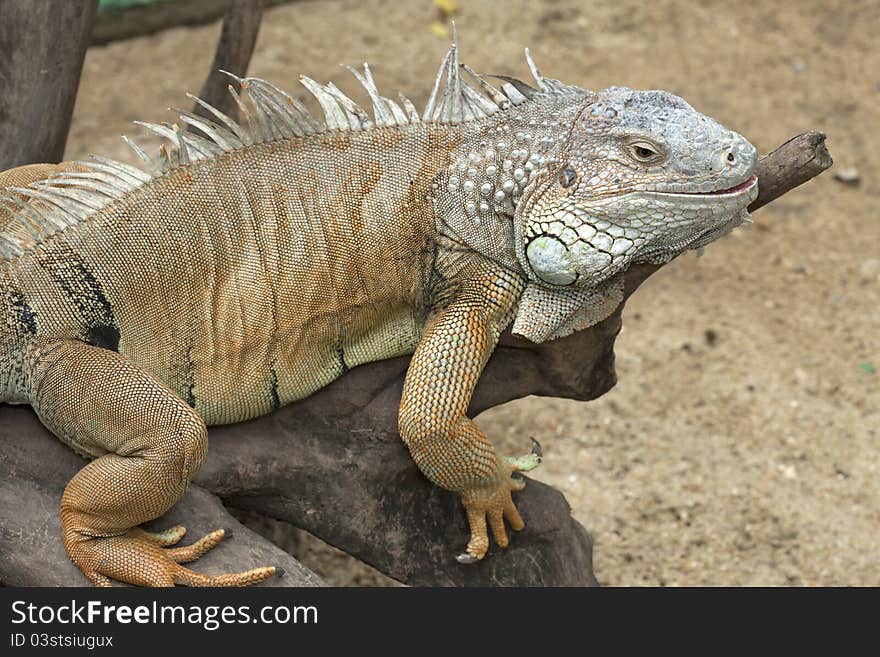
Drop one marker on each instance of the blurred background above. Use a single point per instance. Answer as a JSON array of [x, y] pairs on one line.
[[740, 445]]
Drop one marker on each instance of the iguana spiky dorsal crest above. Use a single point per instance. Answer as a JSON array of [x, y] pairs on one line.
[[28, 215]]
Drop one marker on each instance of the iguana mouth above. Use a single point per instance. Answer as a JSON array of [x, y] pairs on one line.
[[746, 184]]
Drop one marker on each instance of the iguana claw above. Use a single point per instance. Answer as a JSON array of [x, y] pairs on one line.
[[466, 558], [492, 504], [536, 447]]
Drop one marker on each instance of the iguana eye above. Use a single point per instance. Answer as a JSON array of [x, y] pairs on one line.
[[567, 177], [645, 152]]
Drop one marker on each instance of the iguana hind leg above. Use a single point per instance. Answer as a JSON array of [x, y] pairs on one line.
[[148, 444]]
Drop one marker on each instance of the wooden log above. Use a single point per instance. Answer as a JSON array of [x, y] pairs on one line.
[[795, 162], [42, 47]]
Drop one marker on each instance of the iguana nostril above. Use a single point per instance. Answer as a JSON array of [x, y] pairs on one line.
[[731, 157]]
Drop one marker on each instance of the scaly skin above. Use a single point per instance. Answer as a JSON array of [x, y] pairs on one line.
[[251, 273]]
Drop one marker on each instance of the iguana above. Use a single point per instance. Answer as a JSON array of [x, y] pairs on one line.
[[252, 263]]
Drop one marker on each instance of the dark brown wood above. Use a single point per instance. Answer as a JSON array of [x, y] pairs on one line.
[[139, 20], [241, 25], [42, 47], [333, 463], [798, 160]]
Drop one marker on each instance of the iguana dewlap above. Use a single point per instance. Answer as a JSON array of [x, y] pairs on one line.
[[254, 263]]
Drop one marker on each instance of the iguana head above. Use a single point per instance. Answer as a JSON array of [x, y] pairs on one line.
[[642, 177]]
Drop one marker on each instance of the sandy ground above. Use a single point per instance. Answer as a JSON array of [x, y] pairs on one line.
[[741, 444]]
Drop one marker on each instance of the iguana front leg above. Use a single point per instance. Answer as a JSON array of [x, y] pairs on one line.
[[446, 445], [148, 444]]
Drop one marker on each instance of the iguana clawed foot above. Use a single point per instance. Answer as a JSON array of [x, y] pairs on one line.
[[145, 559], [493, 503]]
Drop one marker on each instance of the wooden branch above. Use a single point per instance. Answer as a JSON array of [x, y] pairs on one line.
[[798, 160], [42, 47], [334, 465], [241, 25]]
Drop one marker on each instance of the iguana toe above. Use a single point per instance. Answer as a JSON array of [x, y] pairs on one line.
[[528, 461], [488, 506], [138, 557], [165, 538], [192, 552]]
